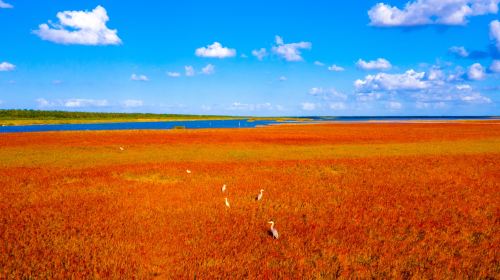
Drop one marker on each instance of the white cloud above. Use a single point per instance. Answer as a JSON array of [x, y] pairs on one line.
[[72, 103], [5, 66], [206, 107], [474, 97], [336, 68], [251, 107], [141, 78], [173, 74], [80, 28], [369, 96], [337, 106], [42, 102], [459, 51], [394, 105], [378, 64], [216, 50], [435, 74], [430, 90], [132, 103], [4, 5], [78, 103], [189, 71], [463, 87], [429, 105], [410, 80], [208, 70], [319, 63], [495, 32], [260, 54], [282, 79], [327, 94], [476, 72], [290, 52], [307, 106], [426, 12], [495, 66]]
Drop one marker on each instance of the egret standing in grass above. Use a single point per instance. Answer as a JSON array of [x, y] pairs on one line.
[[227, 203], [273, 231], [223, 188], [259, 196], [188, 171], [121, 149]]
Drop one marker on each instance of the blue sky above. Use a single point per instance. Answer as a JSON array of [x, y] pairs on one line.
[[263, 58]]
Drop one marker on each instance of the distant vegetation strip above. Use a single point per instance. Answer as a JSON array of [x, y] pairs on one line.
[[26, 117]]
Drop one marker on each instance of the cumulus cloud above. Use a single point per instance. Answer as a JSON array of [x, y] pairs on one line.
[[282, 78], [291, 51], [327, 94], [495, 66], [335, 68], [4, 5], [42, 102], [427, 12], [337, 106], [189, 71], [173, 74], [378, 64], [319, 63], [394, 105], [459, 51], [208, 70], [476, 72], [308, 106], [368, 96], [216, 50], [435, 74], [260, 54], [463, 87], [410, 80], [141, 78], [132, 103], [79, 28], [474, 97], [72, 103], [427, 105], [78, 103], [251, 107], [6, 66], [495, 32]]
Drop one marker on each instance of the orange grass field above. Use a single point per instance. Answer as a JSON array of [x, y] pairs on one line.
[[364, 200]]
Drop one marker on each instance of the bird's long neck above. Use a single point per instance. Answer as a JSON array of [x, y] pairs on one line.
[[272, 225]]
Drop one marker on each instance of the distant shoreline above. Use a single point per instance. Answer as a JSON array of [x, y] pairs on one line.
[[38, 117]]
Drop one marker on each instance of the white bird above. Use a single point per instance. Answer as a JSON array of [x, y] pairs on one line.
[[121, 149], [223, 188], [273, 231], [259, 196], [227, 203], [188, 171]]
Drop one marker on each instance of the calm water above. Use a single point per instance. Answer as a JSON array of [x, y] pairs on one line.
[[210, 123], [137, 125]]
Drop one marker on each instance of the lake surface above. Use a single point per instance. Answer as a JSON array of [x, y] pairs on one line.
[[199, 124]]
